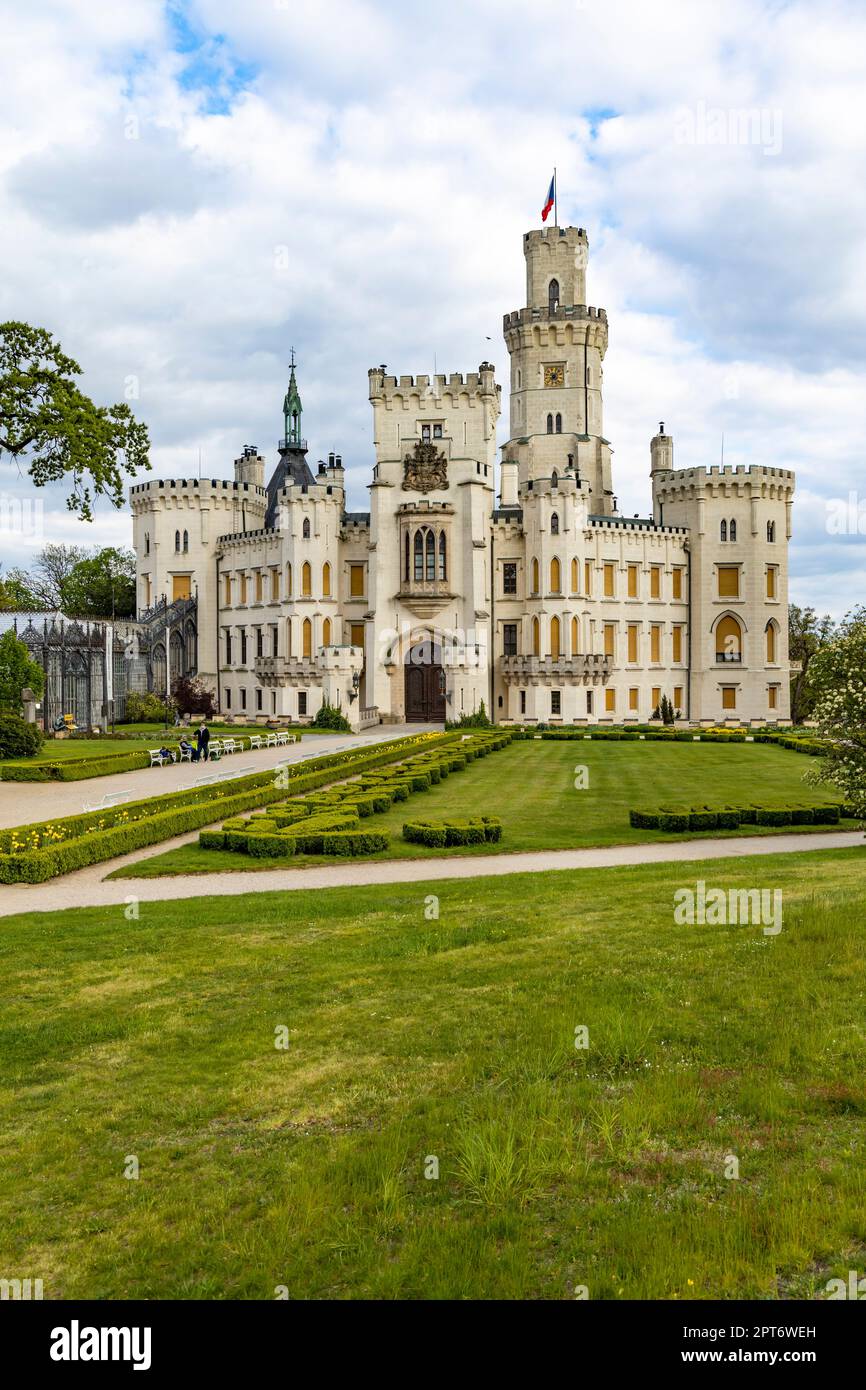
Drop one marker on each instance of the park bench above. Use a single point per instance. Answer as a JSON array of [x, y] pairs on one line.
[[255, 741], [110, 799], [271, 741], [282, 738], [156, 758], [185, 755]]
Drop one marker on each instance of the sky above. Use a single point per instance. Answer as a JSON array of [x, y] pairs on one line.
[[190, 189]]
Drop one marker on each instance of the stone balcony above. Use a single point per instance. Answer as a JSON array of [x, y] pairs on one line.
[[286, 670], [424, 597], [590, 669]]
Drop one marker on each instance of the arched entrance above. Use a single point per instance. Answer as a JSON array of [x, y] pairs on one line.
[[424, 684]]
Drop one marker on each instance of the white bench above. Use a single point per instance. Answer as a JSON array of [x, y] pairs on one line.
[[233, 745], [156, 758], [282, 738], [271, 741], [215, 749], [255, 741], [110, 799]]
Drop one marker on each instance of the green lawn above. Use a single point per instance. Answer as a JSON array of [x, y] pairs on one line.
[[140, 736], [531, 786], [412, 1039]]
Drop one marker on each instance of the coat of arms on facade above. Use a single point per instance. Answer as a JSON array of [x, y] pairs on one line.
[[425, 469]]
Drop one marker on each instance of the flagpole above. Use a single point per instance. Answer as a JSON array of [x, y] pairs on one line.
[[555, 191]]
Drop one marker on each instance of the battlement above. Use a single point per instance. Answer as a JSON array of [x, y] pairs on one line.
[[570, 235], [191, 489], [480, 384], [638, 523], [564, 313], [244, 537], [694, 481]]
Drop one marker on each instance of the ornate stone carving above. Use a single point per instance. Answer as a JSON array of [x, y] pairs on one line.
[[425, 469]]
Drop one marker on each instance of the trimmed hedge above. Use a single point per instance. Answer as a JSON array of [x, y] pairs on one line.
[[475, 830], [679, 818], [75, 769], [354, 842], [34, 853]]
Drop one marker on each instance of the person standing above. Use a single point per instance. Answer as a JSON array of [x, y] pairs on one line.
[[202, 739]]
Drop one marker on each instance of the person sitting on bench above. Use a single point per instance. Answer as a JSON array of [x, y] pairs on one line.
[[186, 747]]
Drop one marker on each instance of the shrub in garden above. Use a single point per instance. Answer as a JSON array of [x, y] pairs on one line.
[[18, 739]]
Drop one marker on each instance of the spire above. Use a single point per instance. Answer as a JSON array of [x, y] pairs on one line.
[[292, 410]]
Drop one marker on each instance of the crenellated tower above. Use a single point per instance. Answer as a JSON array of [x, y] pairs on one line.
[[557, 345]]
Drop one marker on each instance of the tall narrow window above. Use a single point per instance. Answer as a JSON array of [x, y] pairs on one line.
[[608, 579], [186, 540], [550, 424], [419, 557], [655, 643], [306, 580], [555, 576], [677, 577], [356, 581], [575, 576], [307, 637], [305, 530], [632, 642], [771, 581], [554, 524], [553, 296], [406, 553], [536, 643], [443, 567], [326, 633], [535, 576], [632, 581], [575, 637], [771, 531], [430, 550], [554, 638], [729, 640], [288, 581], [177, 533], [655, 581], [771, 644], [326, 581], [559, 424], [732, 529], [609, 632], [723, 531]]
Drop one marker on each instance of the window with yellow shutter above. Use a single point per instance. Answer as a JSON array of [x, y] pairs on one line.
[[655, 643], [771, 581], [678, 644], [228, 590], [608, 639], [610, 700], [275, 584], [771, 697], [678, 583], [632, 641], [587, 578], [678, 697], [656, 697], [575, 576], [608, 580], [729, 581], [259, 581], [243, 588], [633, 698], [729, 697], [356, 581], [632, 581], [655, 581]]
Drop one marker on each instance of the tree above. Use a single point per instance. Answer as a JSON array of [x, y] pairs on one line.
[[16, 596], [192, 697], [838, 680], [18, 670], [51, 572], [102, 585], [807, 635], [63, 436]]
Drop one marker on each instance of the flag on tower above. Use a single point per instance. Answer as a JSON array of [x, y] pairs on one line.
[[550, 199]]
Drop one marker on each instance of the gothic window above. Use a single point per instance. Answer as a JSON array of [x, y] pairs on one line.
[[186, 540], [553, 296], [575, 637], [536, 645], [535, 576], [729, 640], [555, 576], [288, 581], [559, 424], [326, 632], [723, 531], [771, 531], [419, 557], [554, 520], [550, 424], [509, 577], [771, 643], [442, 564], [177, 540], [326, 582], [425, 433], [509, 639], [732, 530], [554, 638], [430, 548], [306, 529], [554, 480], [406, 553], [307, 639], [306, 580]]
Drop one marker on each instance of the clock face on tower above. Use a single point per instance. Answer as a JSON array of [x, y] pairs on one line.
[[554, 375]]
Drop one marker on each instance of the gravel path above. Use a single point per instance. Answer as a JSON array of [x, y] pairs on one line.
[[86, 888]]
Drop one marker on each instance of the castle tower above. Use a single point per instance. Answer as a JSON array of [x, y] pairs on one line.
[[292, 469], [557, 345]]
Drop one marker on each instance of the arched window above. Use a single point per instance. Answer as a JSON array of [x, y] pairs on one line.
[[305, 530], [326, 633], [430, 556], [419, 557], [554, 638], [288, 636], [771, 643], [326, 582], [771, 531], [186, 540], [288, 581], [555, 576], [559, 424], [554, 480], [535, 576], [406, 555], [723, 531], [443, 568], [177, 536], [575, 637], [554, 523], [553, 296], [550, 424], [729, 640], [306, 580], [732, 530], [536, 645], [307, 639], [575, 576]]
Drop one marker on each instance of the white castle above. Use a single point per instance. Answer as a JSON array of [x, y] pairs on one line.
[[549, 608]]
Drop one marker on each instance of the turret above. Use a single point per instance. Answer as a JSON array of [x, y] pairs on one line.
[[661, 451], [250, 467]]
